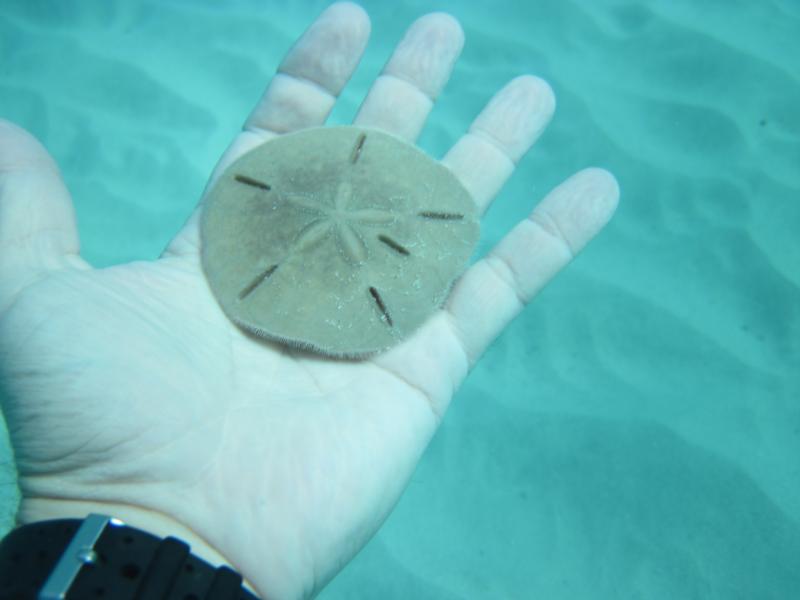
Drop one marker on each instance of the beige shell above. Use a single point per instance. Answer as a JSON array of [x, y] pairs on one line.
[[339, 240]]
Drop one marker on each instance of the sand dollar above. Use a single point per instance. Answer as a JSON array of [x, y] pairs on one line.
[[340, 240]]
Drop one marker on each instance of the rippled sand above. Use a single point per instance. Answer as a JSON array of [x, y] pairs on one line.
[[636, 432]]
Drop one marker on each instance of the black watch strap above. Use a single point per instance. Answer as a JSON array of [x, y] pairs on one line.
[[101, 558]]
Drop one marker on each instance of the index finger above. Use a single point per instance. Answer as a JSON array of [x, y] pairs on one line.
[[301, 95]]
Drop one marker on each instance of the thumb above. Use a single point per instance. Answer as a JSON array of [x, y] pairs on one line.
[[38, 232]]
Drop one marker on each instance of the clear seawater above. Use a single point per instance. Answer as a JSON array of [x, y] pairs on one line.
[[635, 433]]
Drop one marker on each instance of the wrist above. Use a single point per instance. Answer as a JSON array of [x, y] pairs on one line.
[[152, 522]]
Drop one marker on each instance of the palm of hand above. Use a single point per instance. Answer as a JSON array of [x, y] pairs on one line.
[[129, 389], [181, 413]]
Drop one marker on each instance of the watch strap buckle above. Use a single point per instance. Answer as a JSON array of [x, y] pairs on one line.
[[78, 553]]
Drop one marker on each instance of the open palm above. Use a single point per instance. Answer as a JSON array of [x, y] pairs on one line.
[[128, 392]]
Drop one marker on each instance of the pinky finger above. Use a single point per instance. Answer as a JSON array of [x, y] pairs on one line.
[[496, 288]]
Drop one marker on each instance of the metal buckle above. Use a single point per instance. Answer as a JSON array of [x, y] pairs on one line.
[[79, 552]]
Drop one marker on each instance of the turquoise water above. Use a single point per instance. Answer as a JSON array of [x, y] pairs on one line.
[[635, 433]]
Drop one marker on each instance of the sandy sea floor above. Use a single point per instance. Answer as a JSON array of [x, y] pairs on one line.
[[635, 433]]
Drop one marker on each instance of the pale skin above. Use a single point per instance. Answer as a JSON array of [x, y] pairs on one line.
[[129, 393]]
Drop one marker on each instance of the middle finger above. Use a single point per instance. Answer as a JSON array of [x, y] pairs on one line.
[[484, 158], [403, 95]]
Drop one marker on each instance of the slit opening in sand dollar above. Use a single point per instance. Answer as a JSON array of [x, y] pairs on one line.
[[381, 306], [257, 281], [399, 248], [252, 182], [358, 147], [440, 216]]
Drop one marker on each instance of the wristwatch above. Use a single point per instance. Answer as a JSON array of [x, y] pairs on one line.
[[101, 558]]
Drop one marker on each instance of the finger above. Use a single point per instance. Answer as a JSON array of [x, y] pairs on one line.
[[495, 289], [301, 95], [309, 79], [402, 96], [38, 231], [484, 158], [313, 72]]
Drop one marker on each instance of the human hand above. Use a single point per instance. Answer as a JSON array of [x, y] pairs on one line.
[[130, 393]]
